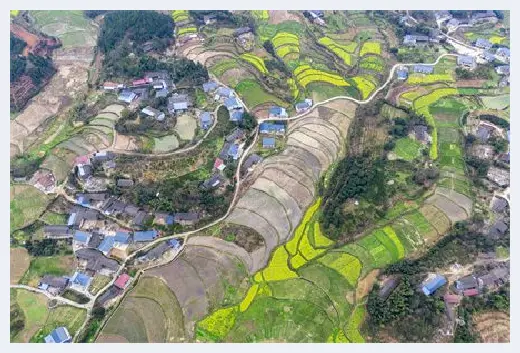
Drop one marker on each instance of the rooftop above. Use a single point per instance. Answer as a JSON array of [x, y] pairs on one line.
[[122, 281], [145, 235]]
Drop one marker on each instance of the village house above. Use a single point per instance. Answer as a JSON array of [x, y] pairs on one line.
[[216, 180], [145, 235], [503, 54], [483, 43], [178, 103], [156, 252], [93, 261], [125, 183], [421, 133], [272, 128], [236, 115], [122, 281], [388, 287], [484, 132], [44, 180], [232, 103], [498, 204], [242, 30], [57, 231], [219, 164], [443, 16], [499, 176], [277, 112], [209, 86], [236, 135], [80, 281], [250, 162], [140, 218], [466, 61], [141, 92], [58, 335], [163, 92], [83, 171], [140, 82], [451, 298], [81, 238], [498, 229], [468, 282], [223, 92], [482, 151], [186, 219], [127, 96], [303, 106], [483, 17], [470, 292], [163, 219], [502, 70], [53, 285], [224, 151], [152, 112], [235, 151], [205, 120], [430, 286], [210, 19], [268, 142], [413, 40], [496, 277], [102, 156], [402, 73], [110, 86], [488, 57], [423, 69], [113, 206]]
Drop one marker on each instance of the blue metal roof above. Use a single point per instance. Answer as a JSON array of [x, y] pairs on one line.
[[169, 220], [81, 236], [402, 74], [106, 245], [423, 68], [122, 237], [174, 243], [268, 141], [233, 151], [223, 91], [503, 51], [434, 284], [71, 219], [272, 127], [145, 235], [276, 110], [59, 335], [482, 42], [205, 117], [208, 86], [82, 201], [231, 102], [81, 279], [236, 115]]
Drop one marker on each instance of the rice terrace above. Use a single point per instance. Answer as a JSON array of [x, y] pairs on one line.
[[249, 176]]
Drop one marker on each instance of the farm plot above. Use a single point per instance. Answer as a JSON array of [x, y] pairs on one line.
[[40, 320], [27, 204], [453, 211], [149, 313], [165, 144], [420, 222], [344, 52], [98, 282], [60, 167], [185, 127], [407, 148], [436, 218], [347, 265], [496, 102], [391, 112], [493, 326], [370, 48], [261, 15], [19, 263], [254, 95], [374, 63], [305, 75], [256, 61], [421, 79], [286, 45], [364, 85], [52, 265], [180, 15], [180, 31], [381, 255], [460, 199]]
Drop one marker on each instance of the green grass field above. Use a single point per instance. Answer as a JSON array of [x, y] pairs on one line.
[[27, 204], [253, 94], [40, 266], [407, 148]]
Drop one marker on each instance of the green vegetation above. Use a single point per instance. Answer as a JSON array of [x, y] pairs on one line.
[[342, 51], [256, 61], [253, 94], [40, 266], [27, 204], [407, 148]]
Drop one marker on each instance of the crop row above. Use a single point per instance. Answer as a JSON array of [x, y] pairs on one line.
[[256, 61]]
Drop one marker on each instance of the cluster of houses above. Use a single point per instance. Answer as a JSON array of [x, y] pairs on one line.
[[417, 40], [272, 130], [84, 167], [452, 23], [315, 16], [138, 89]]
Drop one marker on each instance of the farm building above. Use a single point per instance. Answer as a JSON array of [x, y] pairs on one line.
[[484, 17], [163, 219], [125, 183], [84, 171], [236, 115], [110, 86], [142, 93], [467, 282], [93, 261], [232, 103], [241, 31], [122, 281], [268, 142], [502, 70], [81, 239], [224, 92], [186, 219], [209, 86], [140, 218], [80, 281], [250, 162], [212, 182], [178, 103], [484, 132], [303, 106], [423, 69], [224, 151], [152, 112], [503, 54], [161, 93], [471, 292], [451, 298], [388, 287], [499, 176], [53, 284], [499, 204], [57, 231], [421, 133], [498, 229], [235, 151], [106, 245], [236, 136], [412, 40], [145, 235], [102, 156], [466, 61], [219, 164], [127, 96], [277, 112], [205, 120], [272, 128], [483, 43], [402, 73], [59, 335], [433, 284], [210, 19]]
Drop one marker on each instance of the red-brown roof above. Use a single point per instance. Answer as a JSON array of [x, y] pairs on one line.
[[218, 163], [82, 160], [141, 81], [470, 292], [121, 281], [451, 298], [109, 84]]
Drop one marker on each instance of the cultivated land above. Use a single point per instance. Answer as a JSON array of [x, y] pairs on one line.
[[267, 269]]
